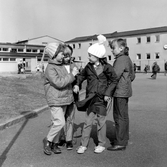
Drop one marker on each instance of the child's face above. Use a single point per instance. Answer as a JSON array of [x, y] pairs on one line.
[[116, 49], [67, 55], [92, 58], [59, 57]]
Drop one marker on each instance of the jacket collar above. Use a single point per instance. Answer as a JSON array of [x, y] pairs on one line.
[[51, 61], [119, 55]]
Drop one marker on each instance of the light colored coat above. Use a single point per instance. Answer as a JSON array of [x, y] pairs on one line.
[[58, 85]]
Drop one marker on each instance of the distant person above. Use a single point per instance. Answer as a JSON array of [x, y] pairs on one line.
[[124, 69], [134, 66], [59, 94], [21, 67], [165, 68], [146, 69], [38, 68], [155, 70], [101, 82]]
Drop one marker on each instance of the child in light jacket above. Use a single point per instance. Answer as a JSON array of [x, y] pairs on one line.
[[58, 92]]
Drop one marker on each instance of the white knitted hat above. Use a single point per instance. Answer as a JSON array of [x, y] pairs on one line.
[[51, 49], [98, 49]]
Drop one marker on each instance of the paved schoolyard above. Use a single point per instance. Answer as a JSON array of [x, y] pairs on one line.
[[21, 144]]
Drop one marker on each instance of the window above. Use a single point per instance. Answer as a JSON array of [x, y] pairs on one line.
[[109, 57], [157, 38], [28, 50], [34, 50], [138, 56], [20, 50], [79, 57], [148, 39], [13, 50], [138, 40], [5, 59], [0, 49], [45, 60], [0, 59], [41, 50], [73, 46], [5, 49], [148, 56], [79, 46], [157, 56], [12, 59], [44, 43], [39, 59], [90, 44]]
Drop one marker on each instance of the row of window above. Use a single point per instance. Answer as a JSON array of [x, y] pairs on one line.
[[7, 59], [148, 39], [15, 50], [14, 59], [148, 56]]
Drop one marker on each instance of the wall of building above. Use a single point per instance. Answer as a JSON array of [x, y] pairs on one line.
[[8, 67], [142, 48]]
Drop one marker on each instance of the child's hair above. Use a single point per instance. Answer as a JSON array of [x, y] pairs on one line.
[[103, 61], [70, 48], [60, 48], [120, 42]]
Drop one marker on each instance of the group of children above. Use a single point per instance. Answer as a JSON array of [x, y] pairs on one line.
[[104, 82]]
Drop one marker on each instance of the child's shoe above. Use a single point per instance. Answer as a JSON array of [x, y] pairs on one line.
[[55, 148], [62, 143], [81, 150], [99, 149], [47, 147], [69, 145]]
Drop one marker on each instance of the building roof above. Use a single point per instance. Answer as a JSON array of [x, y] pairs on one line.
[[21, 45], [121, 34], [25, 41]]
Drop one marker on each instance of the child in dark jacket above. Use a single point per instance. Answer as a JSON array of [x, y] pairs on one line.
[[124, 69], [58, 92], [101, 81]]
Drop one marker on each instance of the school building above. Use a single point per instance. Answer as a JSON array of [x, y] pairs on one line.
[[146, 46], [29, 51]]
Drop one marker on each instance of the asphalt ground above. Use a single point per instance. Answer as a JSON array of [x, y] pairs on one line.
[[21, 144]]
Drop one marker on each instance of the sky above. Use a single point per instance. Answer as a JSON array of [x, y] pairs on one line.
[[68, 19]]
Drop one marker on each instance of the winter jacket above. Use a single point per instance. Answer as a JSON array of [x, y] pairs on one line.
[[165, 66], [155, 68], [124, 69], [58, 85], [97, 85]]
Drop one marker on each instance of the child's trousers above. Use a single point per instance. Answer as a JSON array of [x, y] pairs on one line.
[[69, 117], [101, 129], [58, 122]]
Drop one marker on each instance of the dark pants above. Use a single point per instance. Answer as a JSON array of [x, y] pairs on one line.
[[154, 75], [121, 118]]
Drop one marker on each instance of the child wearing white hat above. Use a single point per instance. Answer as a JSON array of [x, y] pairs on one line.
[[101, 81], [58, 92]]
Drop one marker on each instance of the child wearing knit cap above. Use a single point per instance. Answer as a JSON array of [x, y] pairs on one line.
[[101, 81], [58, 92]]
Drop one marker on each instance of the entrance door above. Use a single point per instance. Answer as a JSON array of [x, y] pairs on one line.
[[28, 65]]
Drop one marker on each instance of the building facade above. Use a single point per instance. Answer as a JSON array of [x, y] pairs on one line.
[[146, 46], [29, 51]]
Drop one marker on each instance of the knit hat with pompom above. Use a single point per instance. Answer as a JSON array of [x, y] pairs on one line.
[[98, 49]]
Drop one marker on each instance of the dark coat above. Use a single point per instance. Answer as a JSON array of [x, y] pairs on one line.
[[98, 86], [165, 66], [124, 70]]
